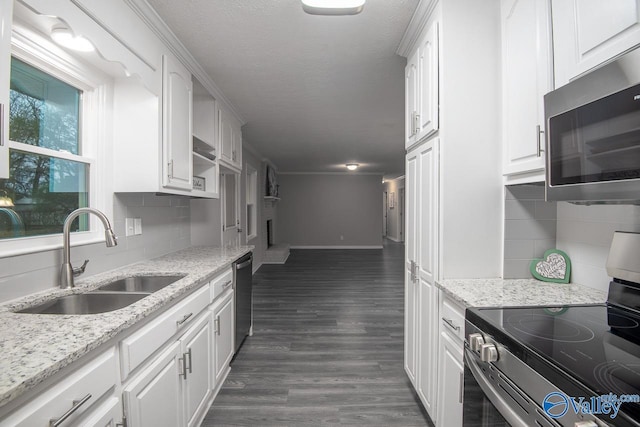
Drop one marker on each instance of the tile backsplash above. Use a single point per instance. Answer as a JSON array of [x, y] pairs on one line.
[[529, 228], [532, 226], [165, 228]]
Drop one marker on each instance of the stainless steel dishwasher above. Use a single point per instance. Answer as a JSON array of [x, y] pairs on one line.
[[243, 294]]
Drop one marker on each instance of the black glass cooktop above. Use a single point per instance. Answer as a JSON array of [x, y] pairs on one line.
[[595, 346]]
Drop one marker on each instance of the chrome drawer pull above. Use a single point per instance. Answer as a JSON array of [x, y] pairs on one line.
[[184, 319], [188, 353], [226, 285], [55, 422], [450, 324], [183, 360]]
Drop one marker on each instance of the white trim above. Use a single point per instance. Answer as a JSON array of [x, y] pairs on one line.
[[331, 173], [169, 39], [337, 247], [415, 27]]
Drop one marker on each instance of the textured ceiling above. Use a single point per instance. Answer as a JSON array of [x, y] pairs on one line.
[[316, 92]]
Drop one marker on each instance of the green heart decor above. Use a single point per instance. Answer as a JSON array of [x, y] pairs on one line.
[[554, 267]]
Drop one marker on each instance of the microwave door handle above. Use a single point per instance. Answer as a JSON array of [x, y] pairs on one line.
[[539, 148], [492, 394]]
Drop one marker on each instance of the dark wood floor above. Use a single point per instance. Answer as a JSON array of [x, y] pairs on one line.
[[327, 347]]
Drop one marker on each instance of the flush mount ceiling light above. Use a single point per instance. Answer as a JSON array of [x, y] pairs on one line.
[[333, 7], [64, 37], [352, 166]]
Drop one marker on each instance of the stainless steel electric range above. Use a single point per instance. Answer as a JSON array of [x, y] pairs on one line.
[[575, 366]]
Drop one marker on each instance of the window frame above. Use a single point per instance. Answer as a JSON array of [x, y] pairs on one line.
[[37, 51], [251, 200]]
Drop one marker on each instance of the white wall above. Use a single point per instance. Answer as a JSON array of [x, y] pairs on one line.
[[330, 210], [585, 233], [165, 228]]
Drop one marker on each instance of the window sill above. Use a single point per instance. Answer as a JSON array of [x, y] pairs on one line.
[[36, 244]]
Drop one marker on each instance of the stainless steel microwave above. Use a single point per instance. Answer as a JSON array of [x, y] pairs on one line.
[[593, 135]]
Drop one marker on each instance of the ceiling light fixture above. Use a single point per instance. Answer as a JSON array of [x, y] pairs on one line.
[[333, 7], [65, 38], [352, 166]]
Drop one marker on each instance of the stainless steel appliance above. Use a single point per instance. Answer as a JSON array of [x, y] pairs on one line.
[[593, 135], [242, 269], [569, 366]]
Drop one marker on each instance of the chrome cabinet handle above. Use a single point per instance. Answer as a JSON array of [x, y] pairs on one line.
[[188, 353], [417, 119], [55, 422], [226, 285], [183, 360], [217, 325], [449, 322], [184, 319], [170, 169], [539, 148], [461, 390]]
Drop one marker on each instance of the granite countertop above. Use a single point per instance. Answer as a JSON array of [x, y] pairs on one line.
[[36, 346], [518, 292]]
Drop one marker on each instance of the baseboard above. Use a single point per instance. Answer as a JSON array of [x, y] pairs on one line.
[[256, 267], [337, 247]]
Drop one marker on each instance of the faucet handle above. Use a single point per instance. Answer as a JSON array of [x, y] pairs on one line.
[[79, 270]]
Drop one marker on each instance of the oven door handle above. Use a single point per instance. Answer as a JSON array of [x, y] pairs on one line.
[[501, 405]]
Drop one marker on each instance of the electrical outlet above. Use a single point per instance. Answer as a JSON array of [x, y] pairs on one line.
[[129, 227], [137, 226]]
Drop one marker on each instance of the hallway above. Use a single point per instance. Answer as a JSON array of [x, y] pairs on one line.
[[327, 347]]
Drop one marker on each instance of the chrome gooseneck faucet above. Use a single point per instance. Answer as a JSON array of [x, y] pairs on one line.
[[68, 272]]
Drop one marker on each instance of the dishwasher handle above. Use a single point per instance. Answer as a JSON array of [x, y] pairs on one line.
[[244, 264]]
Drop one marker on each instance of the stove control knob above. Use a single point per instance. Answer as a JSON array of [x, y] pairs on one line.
[[475, 342], [489, 353]]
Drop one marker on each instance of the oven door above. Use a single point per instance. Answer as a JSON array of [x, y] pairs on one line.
[[478, 408]]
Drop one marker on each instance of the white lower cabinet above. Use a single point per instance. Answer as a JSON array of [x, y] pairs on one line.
[[223, 335], [198, 368], [450, 363], [71, 398], [154, 397], [427, 346]]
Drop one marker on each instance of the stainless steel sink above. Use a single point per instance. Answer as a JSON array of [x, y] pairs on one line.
[[89, 303], [146, 284]]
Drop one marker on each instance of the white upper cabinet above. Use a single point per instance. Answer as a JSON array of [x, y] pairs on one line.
[[230, 141], [587, 33], [428, 83], [205, 143], [6, 8], [526, 77], [421, 88], [177, 102]]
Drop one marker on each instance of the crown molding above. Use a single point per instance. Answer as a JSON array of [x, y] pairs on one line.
[[160, 28], [415, 27]]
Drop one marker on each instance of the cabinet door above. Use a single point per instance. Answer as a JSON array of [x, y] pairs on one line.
[[587, 33], [177, 124], [154, 397], [427, 346], [236, 152], [427, 208], [410, 330], [428, 73], [451, 382], [197, 348], [526, 78], [411, 257], [411, 100], [6, 15], [109, 414], [224, 333], [226, 136]]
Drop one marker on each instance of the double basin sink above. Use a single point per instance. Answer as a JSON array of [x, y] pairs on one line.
[[109, 297]]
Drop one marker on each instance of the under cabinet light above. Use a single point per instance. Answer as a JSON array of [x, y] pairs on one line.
[[333, 7], [65, 38], [352, 166]]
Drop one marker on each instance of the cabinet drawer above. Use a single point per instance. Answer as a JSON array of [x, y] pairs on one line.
[[221, 283], [80, 390], [452, 318], [143, 343]]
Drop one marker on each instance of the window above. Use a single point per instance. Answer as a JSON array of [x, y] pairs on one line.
[[251, 191], [57, 121], [47, 176]]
